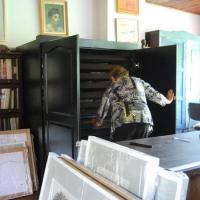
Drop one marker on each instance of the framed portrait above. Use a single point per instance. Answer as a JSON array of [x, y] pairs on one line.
[[127, 30], [128, 6], [2, 21], [53, 15]]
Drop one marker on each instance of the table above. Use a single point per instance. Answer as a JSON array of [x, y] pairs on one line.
[[179, 152]]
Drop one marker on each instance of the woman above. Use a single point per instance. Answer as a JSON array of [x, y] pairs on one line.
[[130, 115]]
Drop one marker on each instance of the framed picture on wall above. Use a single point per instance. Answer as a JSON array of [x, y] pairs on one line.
[[53, 15], [127, 30], [2, 21], [128, 6]]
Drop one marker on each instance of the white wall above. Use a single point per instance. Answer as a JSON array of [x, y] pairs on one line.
[[154, 17], [93, 19], [88, 18], [22, 21]]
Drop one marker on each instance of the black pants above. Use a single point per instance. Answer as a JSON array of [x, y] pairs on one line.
[[131, 131]]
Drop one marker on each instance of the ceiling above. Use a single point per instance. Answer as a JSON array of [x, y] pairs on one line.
[[192, 6]]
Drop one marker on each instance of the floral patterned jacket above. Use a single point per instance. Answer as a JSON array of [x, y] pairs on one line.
[[128, 101]]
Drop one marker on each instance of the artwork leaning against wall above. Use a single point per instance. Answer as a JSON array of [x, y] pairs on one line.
[[127, 30]]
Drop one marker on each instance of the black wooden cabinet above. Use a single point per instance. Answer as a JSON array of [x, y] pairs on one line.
[[65, 78]]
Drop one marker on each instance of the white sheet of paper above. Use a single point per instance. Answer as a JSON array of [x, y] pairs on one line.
[[14, 174], [12, 138]]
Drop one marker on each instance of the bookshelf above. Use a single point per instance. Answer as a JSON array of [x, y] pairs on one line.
[[10, 91]]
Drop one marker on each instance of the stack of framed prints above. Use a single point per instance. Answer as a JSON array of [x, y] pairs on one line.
[[18, 175], [116, 163], [66, 179]]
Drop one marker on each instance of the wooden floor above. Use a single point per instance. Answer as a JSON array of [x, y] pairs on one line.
[[35, 196]]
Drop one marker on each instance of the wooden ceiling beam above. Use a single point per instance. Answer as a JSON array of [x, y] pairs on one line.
[[192, 6]]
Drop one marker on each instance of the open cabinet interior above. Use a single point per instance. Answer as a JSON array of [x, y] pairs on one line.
[[94, 80]]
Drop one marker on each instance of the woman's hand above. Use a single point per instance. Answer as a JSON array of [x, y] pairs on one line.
[[170, 96], [95, 123]]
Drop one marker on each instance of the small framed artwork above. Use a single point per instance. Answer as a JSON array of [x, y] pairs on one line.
[[127, 30], [128, 6], [53, 16], [2, 21]]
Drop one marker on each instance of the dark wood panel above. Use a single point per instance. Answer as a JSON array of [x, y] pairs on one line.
[[95, 67], [95, 85], [91, 94], [94, 76], [90, 104]]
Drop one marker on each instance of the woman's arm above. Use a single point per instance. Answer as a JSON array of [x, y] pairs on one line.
[[155, 96], [103, 110]]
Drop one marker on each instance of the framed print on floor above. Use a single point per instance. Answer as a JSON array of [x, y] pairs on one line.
[[128, 6], [53, 16], [127, 30], [2, 21]]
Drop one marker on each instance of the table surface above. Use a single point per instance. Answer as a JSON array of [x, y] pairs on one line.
[[179, 152]]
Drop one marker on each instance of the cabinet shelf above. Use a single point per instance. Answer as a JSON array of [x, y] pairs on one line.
[[9, 82], [9, 111]]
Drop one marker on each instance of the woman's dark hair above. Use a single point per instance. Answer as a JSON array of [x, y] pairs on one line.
[[53, 11]]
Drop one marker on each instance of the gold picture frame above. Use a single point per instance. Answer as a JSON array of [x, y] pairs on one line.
[[53, 17], [127, 30], [128, 6], [2, 21]]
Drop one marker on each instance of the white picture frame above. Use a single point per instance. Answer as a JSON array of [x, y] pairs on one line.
[[127, 30], [22, 136], [15, 176], [63, 180], [2, 21]]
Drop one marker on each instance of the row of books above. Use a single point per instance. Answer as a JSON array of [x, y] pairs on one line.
[[9, 98], [9, 69], [11, 123]]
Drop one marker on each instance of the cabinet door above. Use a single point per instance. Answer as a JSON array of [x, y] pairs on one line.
[[61, 94], [180, 79], [157, 66]]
